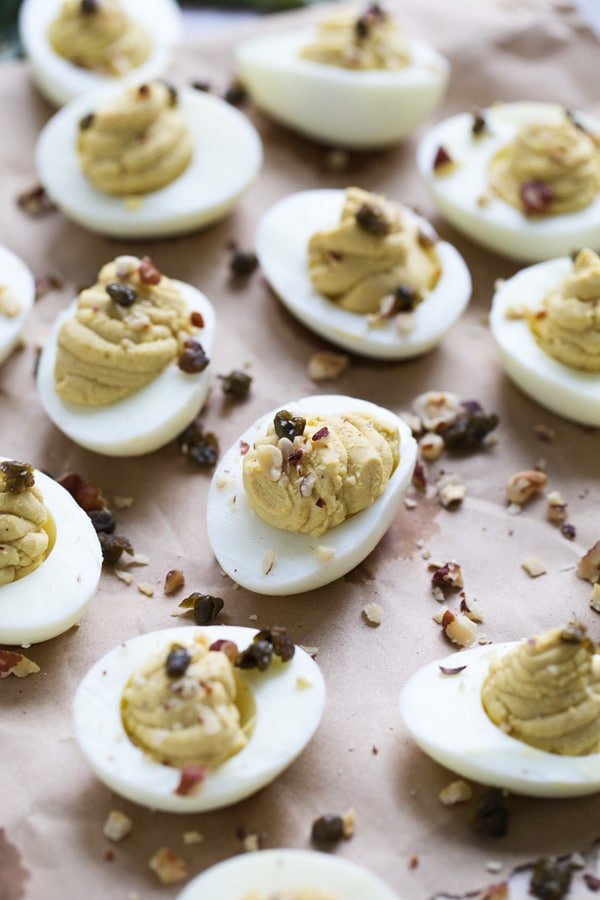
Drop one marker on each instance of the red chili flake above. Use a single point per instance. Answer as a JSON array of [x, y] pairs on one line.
[[442, 158], [197, 319], [144, 90], [321, 434], [413, 862], [109, 855], [591, 882], [295, 457], [320, 503], [448, 670], [536, 197], [191, 776], [244, 447], [148, 272]]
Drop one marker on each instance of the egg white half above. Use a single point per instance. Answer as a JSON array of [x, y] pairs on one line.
[[570, 392], [227, 159], [355, 109], [279, 870], [282, 248], [60, 81], [241, 540], [54, 596], [498, 225], [15, 276], [287, 716], [445, 716], [147, 419]]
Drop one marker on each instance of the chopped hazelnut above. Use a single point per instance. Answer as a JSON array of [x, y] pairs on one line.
[[348, 824], [193, 837], [534, 566], [168, 866], [174, 581], [327, 366], [431, 446], [447, 576], [471, 609], [437, 408], [589, 564], [522, 486], [556, 511], [117, 826], [413, 422], [459, 629], [451, 490], [270, 459], [12, 663], [373, 614], [145, 588], [325, 554], [455, 792], [125, 577]]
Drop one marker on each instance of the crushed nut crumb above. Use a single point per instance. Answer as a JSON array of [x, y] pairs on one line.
[[455, 792], [168, 866], [117, 826], [534, 566], [327, 366], [373, 614]]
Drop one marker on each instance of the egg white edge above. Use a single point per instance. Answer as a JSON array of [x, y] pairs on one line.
[[171, 210], [118, 425], [126, 769], [291, 222], [445, 716], [567, 391], [235, 532], [20, 282], [60, 81], [499, 225], [419, 88], [54, 597], [286, 869]]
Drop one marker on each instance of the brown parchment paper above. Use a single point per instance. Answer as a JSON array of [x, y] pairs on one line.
[[51, 806]]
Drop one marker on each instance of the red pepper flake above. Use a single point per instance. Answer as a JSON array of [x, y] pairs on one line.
[[413, 862], [442, 158], [321, 434], [109, 855], [448, 670], [244, 447], [295, 457], [148, 272], [197, 319], [191, 776], [320, 503], [536, 197]]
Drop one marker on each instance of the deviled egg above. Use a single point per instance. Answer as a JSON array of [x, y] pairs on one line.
[[150, 161], [366, 274], [188, 719], [307, 492], [545, 321], [50, 558], [123, 371], [17, 293], [524, 716], [77, 46], [287, 875], [354, 80], [520, 178]]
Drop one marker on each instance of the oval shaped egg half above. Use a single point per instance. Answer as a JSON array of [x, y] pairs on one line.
[[53, 597], [19, 283], [147, 419], [270, 871], [492, 222], [289, 700], [572, 393], [354, 109], [60, 81], [227, 158], [445, 716], [282, 249], [272, 561]]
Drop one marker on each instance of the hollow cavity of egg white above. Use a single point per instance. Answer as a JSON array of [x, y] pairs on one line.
[[60, 81], [465, 199], [445, 716], [286, 870], [227, 158], [54, 597], [287, 716], [269, 560], [355, 109], [147, 419], [282, 248], [569, 392], [20, 283]]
